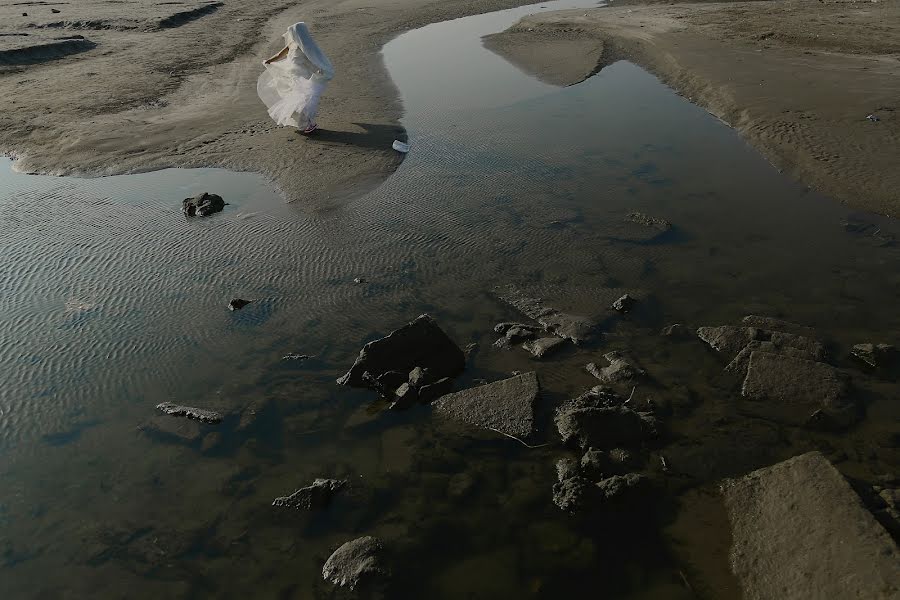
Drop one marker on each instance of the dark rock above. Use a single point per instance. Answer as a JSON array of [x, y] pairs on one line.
[[622, 461], [470, 350], [573, 327], [391, 380], [620, 369], [789, 390], [238, 303], [506, 406], [433, 391], [572, 494], [201, 414], [603, 427], [677, 330], [55, 11], [594, 463], [405, 397], [184, 431], [648, 221], [622, 487], [624, 304], [876, 356], [359, 280], [516, 335], [312, 497], [726, 339], [543, 346], [357, 561], [566, 468], [298, 357], [771, 324], [202, 205], [739, 364], [421, 343], [503, 328]]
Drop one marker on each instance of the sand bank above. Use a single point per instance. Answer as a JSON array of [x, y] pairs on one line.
[[161, 85], [796, 78]]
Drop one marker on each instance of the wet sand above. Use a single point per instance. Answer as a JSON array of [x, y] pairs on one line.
[[797, 79], [175, 86]]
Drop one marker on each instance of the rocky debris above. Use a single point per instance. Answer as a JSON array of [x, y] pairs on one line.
[[618, 487], [575, 490], [357, 561], [238, 303], [420, 343], [648, 221], [541, 347], [739, 363], [876, 356], [506, 406], [202, 205], [433, 391], [184, 431], [200, 414], [514, 333], [727, 339], [624, 304], [799, 531], [677, 330], [316, 496], [620, 369], [595, 420], [790, 390], [573, 327], [405, 396], [772, 324]]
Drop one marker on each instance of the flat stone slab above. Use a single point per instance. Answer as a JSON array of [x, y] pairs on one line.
[[541, 347], [727, 339], [355, 562], [506, 406], [772, 324], [799, 531], [577, 328], [790, 390]]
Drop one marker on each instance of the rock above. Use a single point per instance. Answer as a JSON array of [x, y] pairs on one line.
[[433, 391], [876, 356], [812, 348], [622, 487], [594, 463], [603, 427], [359, 280], [620, 369], [516, 335], [357, 561], [55, 11], [789, 390], [405, 397], [770, 324], [297, 357], [622, 460], [201, 414], [418, 377], [316, 496], [566, 468], [573, 327], [506, 406], [543, 346], [739, 363], [202, 205], [251, 413], [504, 327], [726, 339], [571, 494], [238, 303], [470, 350], [183, 431], [420, 343], [391, 380], [677, 330], [800, 531], [624, 304], [648, 221]]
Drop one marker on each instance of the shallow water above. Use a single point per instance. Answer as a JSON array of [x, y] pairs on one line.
[[110, 302]]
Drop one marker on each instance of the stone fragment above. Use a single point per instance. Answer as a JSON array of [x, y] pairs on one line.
[[541, 347], [571, 493], [573, 327], [624, 304], [202, 205], [620, 369], [772, 324], [648, 221], [405, 397], [316, 496], [800, 531], [620, 487], [433, 391], [238, 304], [506, 406], [356, 562], [726, 339], [605, 427], [739, 363], [201, 414], [875, 355], [418, 377], [677, 330], [420, 343]]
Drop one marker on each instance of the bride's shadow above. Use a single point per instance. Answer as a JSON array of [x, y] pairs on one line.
[[372, 136]]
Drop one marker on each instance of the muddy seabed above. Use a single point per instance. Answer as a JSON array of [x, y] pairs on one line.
[[116, 303]]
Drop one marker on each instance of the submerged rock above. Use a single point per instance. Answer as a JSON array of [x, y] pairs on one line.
[[739, 363], [420, 343], [800, 531], [677, 330], [238, 303], [184, 431], [316, 496], [202, 205], [772, 324], [506, 406], [620, 487], [200, 414], [358, 561], [573, 327], [541, 347], [405, 396], [648, 221], [572, 493], [603, 427], [624, 304], [727, 339], [620, 369], [790, 390], [433, 391], [875, 355]]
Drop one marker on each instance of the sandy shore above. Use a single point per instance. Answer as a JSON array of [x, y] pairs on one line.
[[160, 85], [796, 78]]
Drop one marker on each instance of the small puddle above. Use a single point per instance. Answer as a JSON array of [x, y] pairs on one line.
[[114, 302]]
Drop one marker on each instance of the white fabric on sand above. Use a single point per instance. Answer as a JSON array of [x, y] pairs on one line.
[[291, 87]]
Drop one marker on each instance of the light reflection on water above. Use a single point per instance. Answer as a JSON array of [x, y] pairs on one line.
[[112, 301]]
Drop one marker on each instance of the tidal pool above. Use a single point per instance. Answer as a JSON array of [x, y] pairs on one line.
[[110, 302]]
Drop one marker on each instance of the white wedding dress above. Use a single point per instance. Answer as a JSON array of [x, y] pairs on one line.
[[291, 87]]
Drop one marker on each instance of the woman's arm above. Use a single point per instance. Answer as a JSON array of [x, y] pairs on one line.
[[277, 57]]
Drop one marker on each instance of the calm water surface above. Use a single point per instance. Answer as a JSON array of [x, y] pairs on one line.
[[110, 302]]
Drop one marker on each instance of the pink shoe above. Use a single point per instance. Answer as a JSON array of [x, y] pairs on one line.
[[309, 129]]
